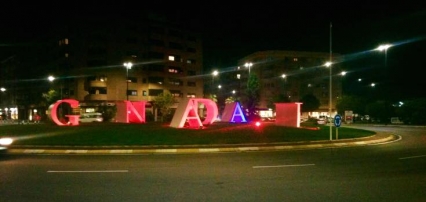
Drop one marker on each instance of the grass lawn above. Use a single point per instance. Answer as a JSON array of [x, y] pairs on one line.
[[161, 134]]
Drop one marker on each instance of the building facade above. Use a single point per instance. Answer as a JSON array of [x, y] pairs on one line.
[[86, 60], [288, 76]]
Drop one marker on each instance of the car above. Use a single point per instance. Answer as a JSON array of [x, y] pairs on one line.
[[321, 121], [268, 119], [4, 143], [91, 117]]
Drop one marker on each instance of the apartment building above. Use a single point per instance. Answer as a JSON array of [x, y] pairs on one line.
[[291, 74], [90, 57]]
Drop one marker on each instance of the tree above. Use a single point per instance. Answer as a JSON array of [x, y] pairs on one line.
[[352, 103], [252, 94], [108, 112], [310, 103], [381, 110], [230, 100], [213, 97], [164, 102], [413, 111], [277, 98], [51, 96]]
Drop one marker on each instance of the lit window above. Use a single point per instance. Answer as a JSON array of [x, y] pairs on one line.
[[190, 61], [238, 76], [66, 41], [175, 82], [171, 58], [176, 93], [132, 92], [190, 95], [173, 70], [89, 110], [66, 55], [295, 59]]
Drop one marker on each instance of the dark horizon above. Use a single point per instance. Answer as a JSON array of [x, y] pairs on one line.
[[230, 33]]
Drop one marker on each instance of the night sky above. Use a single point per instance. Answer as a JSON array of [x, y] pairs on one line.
[[233, 30]]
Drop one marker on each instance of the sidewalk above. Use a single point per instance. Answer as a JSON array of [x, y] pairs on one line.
[[379, 138]]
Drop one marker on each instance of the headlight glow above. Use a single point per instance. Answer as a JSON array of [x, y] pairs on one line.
[[6, 141]]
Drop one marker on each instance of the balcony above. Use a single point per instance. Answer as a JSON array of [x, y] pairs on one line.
[[97, 84], [96, 97]]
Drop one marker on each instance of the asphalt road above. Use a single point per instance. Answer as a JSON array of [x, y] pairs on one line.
[[386, 172]]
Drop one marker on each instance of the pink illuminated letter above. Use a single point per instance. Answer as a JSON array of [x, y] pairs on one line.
[[130, 112], [73, 119], [188, 111]]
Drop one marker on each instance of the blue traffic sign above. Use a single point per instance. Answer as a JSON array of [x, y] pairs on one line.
[[337, 120]]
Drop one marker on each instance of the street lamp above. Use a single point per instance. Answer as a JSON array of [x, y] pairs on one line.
[[2, 89], [343, 73], [330, 101], [384, 47], [128, 66], [248, 65], [51, 79], [214, 73]]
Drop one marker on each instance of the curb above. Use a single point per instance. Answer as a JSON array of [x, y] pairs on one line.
[[380, 138]]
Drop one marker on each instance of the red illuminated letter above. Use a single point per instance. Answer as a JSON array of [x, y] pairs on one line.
[[73, 119], [131, 112]]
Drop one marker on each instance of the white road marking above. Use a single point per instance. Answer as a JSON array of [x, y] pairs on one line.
[[248, 148], [76, 151], [209, 150], [166, 150], [121, 151], [87, 171], [412, 157], [34, 151], [283, 166]]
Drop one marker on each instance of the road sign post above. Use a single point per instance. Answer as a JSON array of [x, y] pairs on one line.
[[337, 123]]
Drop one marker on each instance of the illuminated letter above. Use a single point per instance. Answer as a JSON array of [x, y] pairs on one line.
[[233, 113], [73, 119], [188, 110], [211, 109], [288, 114], [130, 112]]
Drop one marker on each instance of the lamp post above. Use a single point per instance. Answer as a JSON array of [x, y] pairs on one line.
[[330, 101], [343, 73], [384, 47], [248, 65], [51, 79], [2, 89], [128, 66], [331, 97], [214, 74]]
